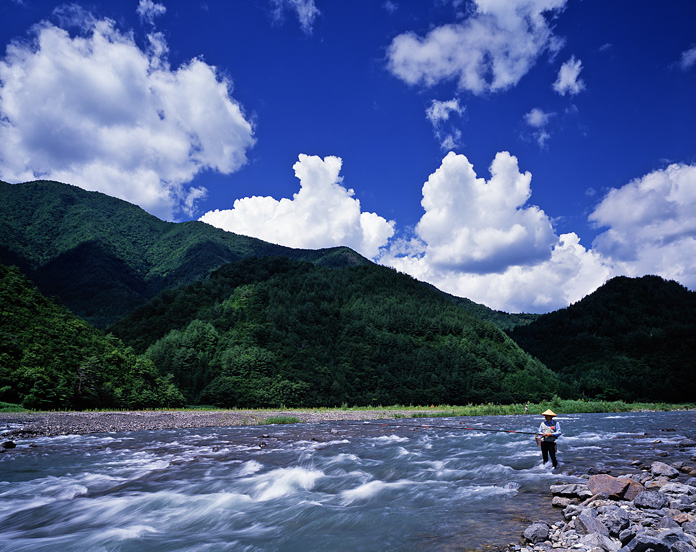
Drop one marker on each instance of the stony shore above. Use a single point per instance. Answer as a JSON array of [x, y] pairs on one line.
[[49, 424], [650, 511]]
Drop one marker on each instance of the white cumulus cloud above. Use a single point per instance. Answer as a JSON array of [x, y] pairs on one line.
[[490, 50], [482, 240], [96, 111], [651, 225], [323, 213], [569, 81], [439, 114], [148, 10]]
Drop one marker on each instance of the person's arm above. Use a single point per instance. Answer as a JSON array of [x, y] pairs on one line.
[[557, 433]]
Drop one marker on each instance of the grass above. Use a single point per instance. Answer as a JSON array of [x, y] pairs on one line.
[[558, 405], [281, 420]]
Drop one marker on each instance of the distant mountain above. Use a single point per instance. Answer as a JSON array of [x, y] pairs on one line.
[[276, 331], [103, 257], [633, 338], [51, 359]]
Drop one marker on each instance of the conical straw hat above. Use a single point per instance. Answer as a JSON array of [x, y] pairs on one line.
[[548, 413]]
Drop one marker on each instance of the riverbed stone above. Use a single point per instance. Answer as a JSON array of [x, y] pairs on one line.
[[633, 490], [615, 519], [613, 487], [537, 532], [678, 489], [651, 499], [662, 469], [587, 523], [572, 490], [595, 540]]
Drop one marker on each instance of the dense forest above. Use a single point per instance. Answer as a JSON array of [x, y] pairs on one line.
[[51, 359], [103, 257], [633, 338], [197, 315], [276, 331]]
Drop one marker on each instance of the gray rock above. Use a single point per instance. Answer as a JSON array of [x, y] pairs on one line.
[[561, 501], [537, 532], [681, 546], [667, 522], [651, 499], [573, 490], [627, 535], [687, 443], [615, 520], [587, 523], [689, 527], [678, 488], [660, 468], [595, 540], [571, 511]]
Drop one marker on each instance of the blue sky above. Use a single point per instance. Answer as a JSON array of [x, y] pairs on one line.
[[516, 152]]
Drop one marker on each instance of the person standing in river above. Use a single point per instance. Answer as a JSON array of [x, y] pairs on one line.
[[549, 431]]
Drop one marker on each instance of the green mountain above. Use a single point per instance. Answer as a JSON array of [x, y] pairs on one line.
[[103, 257], [633, 338], [276, 331], [51, 359]]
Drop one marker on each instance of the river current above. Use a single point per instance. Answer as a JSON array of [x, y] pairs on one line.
[[397, 485]]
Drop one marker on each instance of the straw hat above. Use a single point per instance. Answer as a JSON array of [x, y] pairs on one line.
[[548, 413]]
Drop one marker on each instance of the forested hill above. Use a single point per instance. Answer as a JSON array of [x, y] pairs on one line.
[[278, 331], [51, 359], [102, 256], [633, 338]]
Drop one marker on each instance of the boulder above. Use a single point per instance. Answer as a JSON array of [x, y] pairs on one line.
[[572, 490], [651, 499], [561, 502], [678, 489], [595, 540], [687, 443], [613, 487], [633, 490], [615, 520], [9, 445], [537, 532], [662, 541], [587, 523], [662, 469]]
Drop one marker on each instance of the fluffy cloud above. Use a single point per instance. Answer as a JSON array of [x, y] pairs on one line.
[[480, 239], [305, 10], [538, 119], [96, 111], [651, 225], [148, 10], [491, 50], [688, 59], [569, 81], [439, 113], [322, 214]]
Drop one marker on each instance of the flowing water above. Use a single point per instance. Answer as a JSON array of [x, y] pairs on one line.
[[335, 486]]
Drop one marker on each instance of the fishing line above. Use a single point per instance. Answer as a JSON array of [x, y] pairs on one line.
[[441, 427]]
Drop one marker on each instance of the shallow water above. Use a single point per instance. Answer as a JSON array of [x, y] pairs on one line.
[[366, 486]]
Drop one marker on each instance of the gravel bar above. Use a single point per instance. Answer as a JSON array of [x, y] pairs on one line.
[[49, 424]]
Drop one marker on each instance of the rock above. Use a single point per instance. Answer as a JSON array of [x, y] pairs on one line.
[[658, 541], [660, 468], [615, 520], [626, 536], [595, 540], [689, 527], [575, 490], [681, 546], [571, 511], [561, 502], [613, 487], [9, 445], [678, 489], [537, 532], [587, 523], [667, 522], [599, 468], [687, 443], [633, 490], [651, 499]]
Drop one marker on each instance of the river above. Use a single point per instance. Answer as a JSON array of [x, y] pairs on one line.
[[397, 485]]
